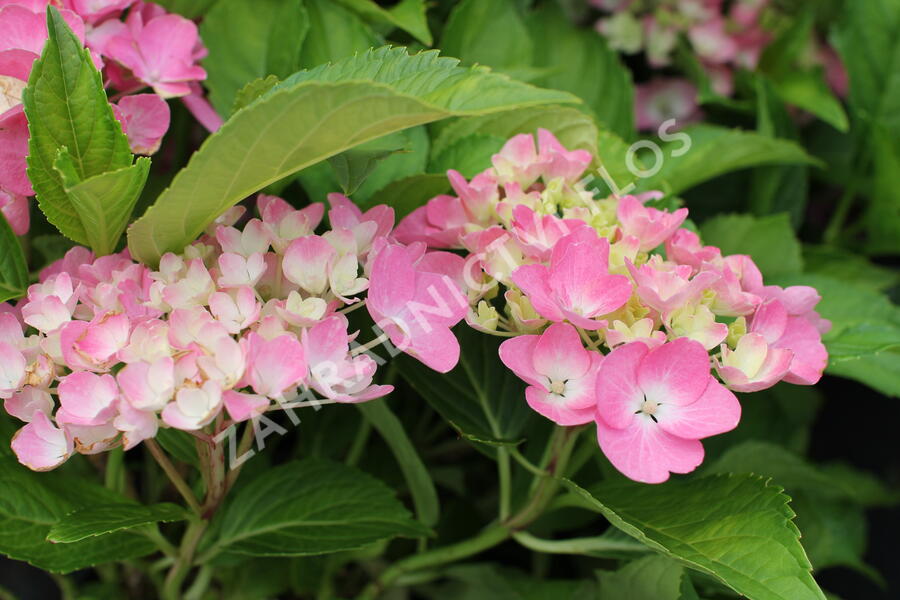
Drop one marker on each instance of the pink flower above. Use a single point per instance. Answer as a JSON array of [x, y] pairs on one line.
[[87, 399], [798, 301], [148, 386], [559, 162], [439, 224], [40, 445], [274, 366], [12, 369], [26, 402], [795, 333], [135, 425], [160, 52], [477, 197], [577, 285], [684, 248], [538, 234], [712, 42], [93, 345], [561, 374], [518, 161], [236, 310], [15, 211], [286, 224], [649, 225], [661, 99], [237, 271], [307, 262], [194, 407], [666, 287], [253, 239], [753, 365], [243, 407], [416, 308], [93, 11], [653, 407], [376, 222], [145, 120], [333, 372]]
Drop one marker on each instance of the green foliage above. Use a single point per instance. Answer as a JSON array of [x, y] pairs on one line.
[[738, 529], [248, 41], [67, 108], [101, 519], [489, 33], [312, 507], [768, 240], [33, 503], [408, 15], [649, 578], [336, 107], [334, 33], [13, 270]]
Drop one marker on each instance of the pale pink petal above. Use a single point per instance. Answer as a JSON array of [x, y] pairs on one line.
[[676, 372], [618, 393], [517, 354], [560, 355], [716, 411], [87, 399], [25, 403], [644, 452], [40, 446], [555, 407], [243, 407], [145, 119]]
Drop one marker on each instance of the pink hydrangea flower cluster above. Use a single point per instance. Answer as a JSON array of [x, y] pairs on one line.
[[136, 45], [725, 36], [112, 350], [616, 313]]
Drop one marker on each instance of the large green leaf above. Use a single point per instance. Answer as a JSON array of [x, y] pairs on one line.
[[32, 503], [13, 270], [648, 578], [579, 61], [809, 91], [312, 507], [738, 529], [480, 397], [770, 241], [67, 107], [250, 40], [187, 8], [424, 494], [714, 151], [101, 519], [488, 32], [408, 15], [407, 194], [104, 202], [311, 116]]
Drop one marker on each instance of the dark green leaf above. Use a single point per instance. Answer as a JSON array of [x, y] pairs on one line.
[[407, 194], [101, 519], [408, 15], [770, 241], [489, 33], [648, 578], [334, 33], [13, 270], [353, 167]]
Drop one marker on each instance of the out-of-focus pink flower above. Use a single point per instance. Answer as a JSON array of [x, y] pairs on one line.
[[145, 120], [200, 107], [835, 72], [93, 11], [40, 445], [654, 406], [662, 99], [712, 42], [15, 211], [416, 308], [561, 375], [577, 286], [159, 51]]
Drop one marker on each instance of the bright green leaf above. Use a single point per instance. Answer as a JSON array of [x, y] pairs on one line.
[[13, 269], [738, 529], [770, 241], [187, 8], [250, 40], [809, 91], [104, 202], [714, 151], [469, 156], [32, 503], [312, 507], [335, 33], [67, 107], [311, 116], [101, 519], [253, 91], [408, 15], [424, 494]]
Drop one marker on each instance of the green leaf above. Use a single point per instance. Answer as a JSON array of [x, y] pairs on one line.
[[101, 519], [714, 151], [398, 166], [407, 194], [353, 167], [424, 494], [67, 107], [488, 33], [252, 91], [312, 507], [32, 503], [13, 269], [579, 61], [104, 202], [311, 116], [494, 582], [250, 40], [738, 529], [648, 578], [334, 33], [191, 9], [604, 546], [809, 91], [770, 241], [470, 155], [408, 15], [180, 444], [481, 398]]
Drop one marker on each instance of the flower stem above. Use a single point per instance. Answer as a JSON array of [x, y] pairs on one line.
[[177, 480], [185, 560]]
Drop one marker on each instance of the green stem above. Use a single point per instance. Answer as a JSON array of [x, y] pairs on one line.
[[183, 564], [243, 448], [114, 477], [359, 442], [504, 476], [836, 223], [488, 538], [177, 480]]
